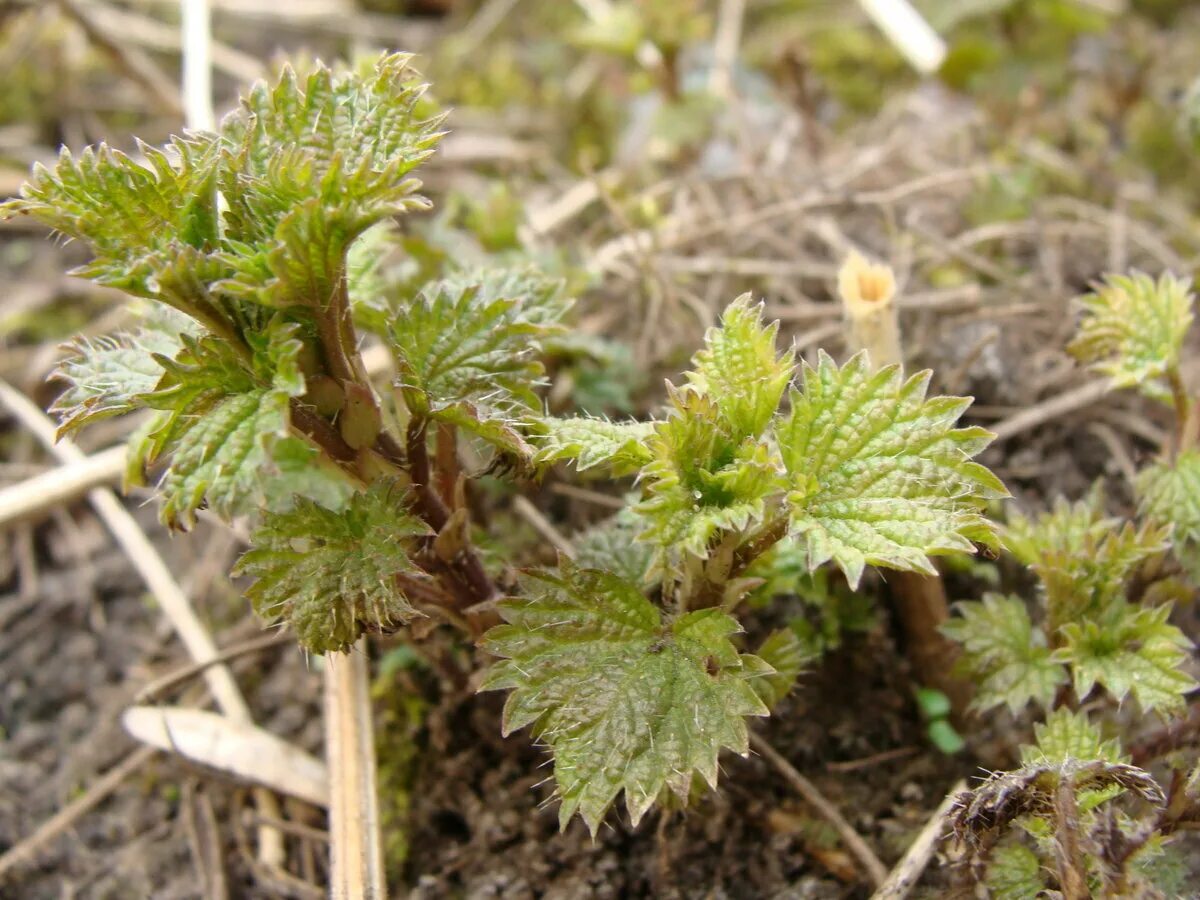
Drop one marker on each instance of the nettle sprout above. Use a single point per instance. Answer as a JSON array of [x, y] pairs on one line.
[[1078, 817], [628, 662]]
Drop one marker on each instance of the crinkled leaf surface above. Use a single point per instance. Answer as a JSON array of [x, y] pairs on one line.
[[1006, 656], [1134, 651], [626, 700], [109, 376], [740, 370], [309, 167], [613, 547], [220, 458], [703, 481], [1082, 557], [331, 575], [1071, 527], [220, 420], [1069, 735], [133, 216], [1170, 493], [1014, 872], [1133, 329], [463, 340], [618, 446], [879, 474]]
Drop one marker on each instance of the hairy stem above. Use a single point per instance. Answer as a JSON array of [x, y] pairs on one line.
[[318, 430], [473, 583], [336, 330], [709, 589], [446, 468]]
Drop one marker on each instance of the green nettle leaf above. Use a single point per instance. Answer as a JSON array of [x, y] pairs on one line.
[[220, 423], [1072, 528], [220, 458], [463, 341], [299, 470], [1069, 735], [740, 371], [702, 480], [308, 168], [613, 546], [1133, 329], [879, 475], [1087, 580], [1170, 494], [109, 376], [618, 446], [1004, 653], [625, 700], [1014, 872], [135, 217], [1134, 650], [367, 276], [331, 575], [787, 656], [487, 424]]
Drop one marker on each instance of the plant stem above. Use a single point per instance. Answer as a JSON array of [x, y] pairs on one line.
[[336, 331], [868, 293], [1187, 423], [474, 583], [447, 468], [356, 850], [1068, 852], [709, 588]]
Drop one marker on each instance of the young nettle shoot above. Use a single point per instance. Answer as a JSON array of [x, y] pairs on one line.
[[1077, 817], [627, 662]]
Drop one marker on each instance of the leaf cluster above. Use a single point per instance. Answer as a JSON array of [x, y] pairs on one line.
[[850, 465], [1091, 633], [246, 232]]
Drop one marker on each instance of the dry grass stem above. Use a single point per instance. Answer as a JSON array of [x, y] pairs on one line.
[[356, 852], [242, 750]]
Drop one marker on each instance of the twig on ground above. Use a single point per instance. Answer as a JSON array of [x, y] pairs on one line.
[[197, 65], [875, 869], [599, 499], [909, 33], [725, 47], [1058, 405], [136, 64], [240, 749], [205, 841], [25, 849], [171, 680], [542, 525], [907, 872], [868, 762], [154, 572], [49, 490]]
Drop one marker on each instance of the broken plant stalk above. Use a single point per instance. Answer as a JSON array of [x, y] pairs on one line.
[[356, 851], [872, 323]]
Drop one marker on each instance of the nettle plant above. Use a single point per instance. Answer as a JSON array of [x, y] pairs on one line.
[[1077, 817], [628, 661]]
